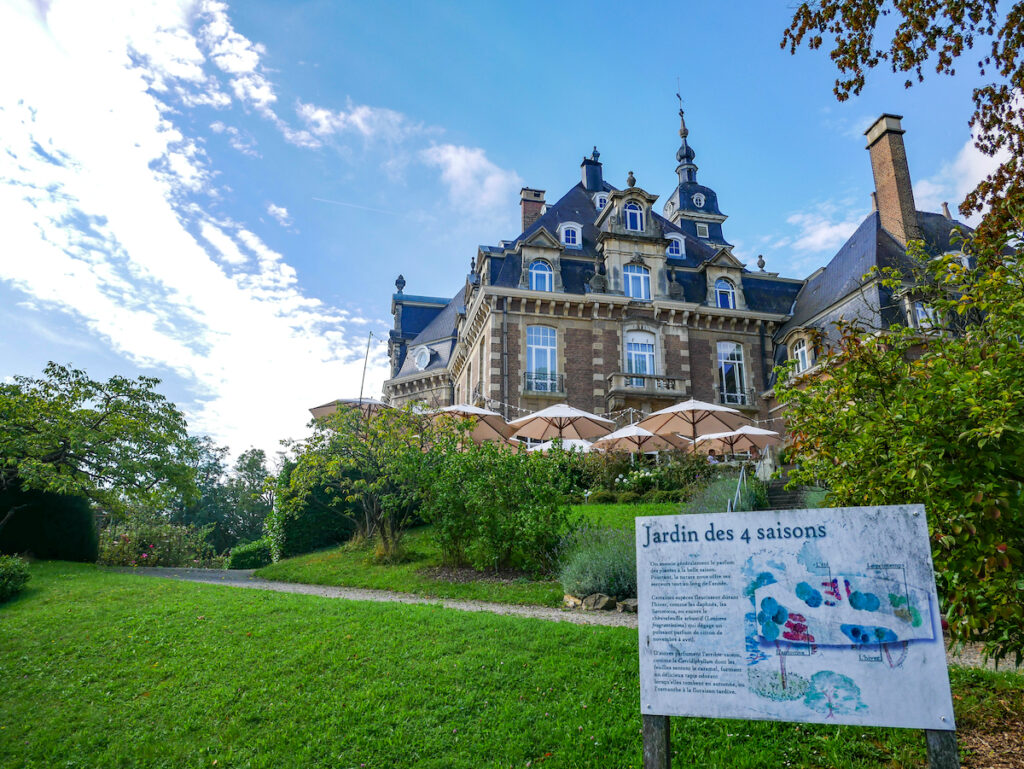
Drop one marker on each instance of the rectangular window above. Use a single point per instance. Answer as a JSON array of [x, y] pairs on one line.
[[925, 316], [541, 359], [702, 231], [730, 374], [570, 236], [636, 281], [639, 356]]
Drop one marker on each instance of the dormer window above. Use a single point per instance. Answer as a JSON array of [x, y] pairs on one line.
[[675, 247], [571, 235], [541, 276], [637, 281], [600, 201], [802, 355], [634, 216], [421, 358], [925, 316], [725, 294], [702, 230]]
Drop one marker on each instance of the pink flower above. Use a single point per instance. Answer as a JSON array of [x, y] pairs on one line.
[[143, 555]]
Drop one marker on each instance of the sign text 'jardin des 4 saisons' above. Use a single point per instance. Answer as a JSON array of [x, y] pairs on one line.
[[826, 616]]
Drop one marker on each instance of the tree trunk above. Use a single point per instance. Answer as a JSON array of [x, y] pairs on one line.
[[10, 514]]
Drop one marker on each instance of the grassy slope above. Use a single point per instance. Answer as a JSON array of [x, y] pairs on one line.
[[350, 567], [112, 670]]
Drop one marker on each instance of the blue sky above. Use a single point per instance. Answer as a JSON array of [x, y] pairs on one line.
[[222, 194]]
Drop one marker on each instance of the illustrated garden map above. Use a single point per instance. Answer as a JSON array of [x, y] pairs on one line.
[[798, 615]]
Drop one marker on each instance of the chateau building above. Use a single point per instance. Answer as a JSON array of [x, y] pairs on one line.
[[607, 304]]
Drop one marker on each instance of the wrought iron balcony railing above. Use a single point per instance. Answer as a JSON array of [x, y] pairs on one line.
[[543, 383]]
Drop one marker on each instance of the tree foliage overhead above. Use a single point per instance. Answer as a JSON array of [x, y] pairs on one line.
[[935, 32], [116, 442], [937, 418]]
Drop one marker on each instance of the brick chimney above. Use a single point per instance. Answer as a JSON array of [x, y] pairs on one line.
[[532, 204], [893, 193]]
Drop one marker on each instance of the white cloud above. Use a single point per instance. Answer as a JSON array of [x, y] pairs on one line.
[[956, 179], [103, 195], [280, 213], [368, 122], [239, 140], [475, 184], [819, 230]]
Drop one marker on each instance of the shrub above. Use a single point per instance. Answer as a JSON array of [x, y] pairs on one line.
[[599, 561], [50, 526], [156, 543], [301, 524], [601, 497], [495, 508], [13, 576], [628, 498], [250, 556]]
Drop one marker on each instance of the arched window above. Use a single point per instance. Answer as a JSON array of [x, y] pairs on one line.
[[541, 276], [639, 356], [675, 247], [802, 355], [725, 294], [634, 215], [730, 373], [541, 359], [637, 281]]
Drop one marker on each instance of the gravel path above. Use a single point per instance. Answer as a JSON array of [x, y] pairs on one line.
[[970, 657]]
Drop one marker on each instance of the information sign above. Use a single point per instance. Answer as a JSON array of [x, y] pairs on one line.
[[825, 616]]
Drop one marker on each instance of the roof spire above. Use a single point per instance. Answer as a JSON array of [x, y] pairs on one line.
[[686, 170]]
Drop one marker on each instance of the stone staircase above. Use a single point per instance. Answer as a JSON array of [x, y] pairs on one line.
[[781, 499]]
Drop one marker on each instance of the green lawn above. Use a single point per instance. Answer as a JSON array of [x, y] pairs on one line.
[[101, 669]]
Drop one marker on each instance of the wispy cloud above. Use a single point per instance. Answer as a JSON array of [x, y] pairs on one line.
[[106, 198], [476, 185], [280, 213], [239, 140], [956, 179]]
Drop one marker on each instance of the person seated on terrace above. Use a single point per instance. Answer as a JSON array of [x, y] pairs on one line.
[[712, 457]]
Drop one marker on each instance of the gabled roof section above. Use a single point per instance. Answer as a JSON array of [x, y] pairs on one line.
[[541, 237], [724, 258], [870, 246], [574, 206], [443, 324]]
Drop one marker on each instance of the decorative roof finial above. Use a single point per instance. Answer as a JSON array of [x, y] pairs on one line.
[[631, 180], [595, 154], [760, 262], [400, 283], [472, 264], [683, 130]]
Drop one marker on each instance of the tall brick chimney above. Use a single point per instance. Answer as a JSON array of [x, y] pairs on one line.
[[893, 193], [532, 204]]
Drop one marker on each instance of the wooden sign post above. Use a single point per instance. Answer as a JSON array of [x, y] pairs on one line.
[[809, 616]]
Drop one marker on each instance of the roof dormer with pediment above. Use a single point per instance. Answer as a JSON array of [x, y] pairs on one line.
[[723, 274]]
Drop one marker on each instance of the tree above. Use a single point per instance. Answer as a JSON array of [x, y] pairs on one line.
[[936, 418], [250, 496], [114, 442], [377, 462], [945, 29], [209, 506]]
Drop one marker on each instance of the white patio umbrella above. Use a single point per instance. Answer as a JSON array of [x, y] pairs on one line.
[[634, 439], [742, 439], [561, 421], [693, 418], [488, 425], [568, 444]]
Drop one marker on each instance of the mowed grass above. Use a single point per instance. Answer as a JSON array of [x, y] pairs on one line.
[[101, 669]]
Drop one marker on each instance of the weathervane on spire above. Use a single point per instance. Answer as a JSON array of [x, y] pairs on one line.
[[683, 131]]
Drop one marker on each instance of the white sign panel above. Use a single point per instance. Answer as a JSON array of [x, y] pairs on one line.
[[823, 616]]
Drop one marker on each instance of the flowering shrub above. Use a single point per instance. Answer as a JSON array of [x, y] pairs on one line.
[[13, 576], [156, 544]]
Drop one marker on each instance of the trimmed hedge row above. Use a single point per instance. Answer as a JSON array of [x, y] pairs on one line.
[[250, 556]]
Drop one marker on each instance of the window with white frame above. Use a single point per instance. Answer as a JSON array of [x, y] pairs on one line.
[[802, 355], [541, 359], [702, 230], [730, 373], [675, 247], [639, 356], [634, 216], [571, 237], [636, 281], [725, 294], [600, 201], [925, 316], [541, 276]]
